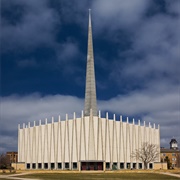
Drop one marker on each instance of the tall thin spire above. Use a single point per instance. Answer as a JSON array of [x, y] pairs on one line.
[[90, 94]]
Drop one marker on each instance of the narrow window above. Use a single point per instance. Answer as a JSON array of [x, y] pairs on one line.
[[150, 165], [107, 165], [140, 165], [66, 165], [34, 165], [39, 165], [52, 166], [121, 165], [74, 165], [28, 165], [128, 166], [59, 165], [45, 165], [114, 166], [134, 165]]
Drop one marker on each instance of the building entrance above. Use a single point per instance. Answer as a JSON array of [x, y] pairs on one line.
[[93, 166]]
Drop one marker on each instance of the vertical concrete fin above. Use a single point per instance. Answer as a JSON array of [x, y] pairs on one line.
[[107, 115], [127, 120], [91, 151], [99, 114], [121, 118], [114, 117]]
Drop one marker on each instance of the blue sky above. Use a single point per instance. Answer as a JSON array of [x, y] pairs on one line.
[[43, 61]]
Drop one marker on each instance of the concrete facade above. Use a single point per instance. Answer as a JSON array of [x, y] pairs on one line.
[[63, 144]]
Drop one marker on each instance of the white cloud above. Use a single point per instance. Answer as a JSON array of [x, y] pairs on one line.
[[117, 14], [151, 106], [145, 101], [18, 110], [154, 107]]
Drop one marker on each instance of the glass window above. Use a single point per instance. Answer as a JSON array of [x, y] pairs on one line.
[[173, 154], [114, 166], [66, 165], [128, 166], [34, 165], [134, 165], [87, 166], [107, 165], [45, 165], [28, 166], [140, 165], [59, 165], [74, 165], [121, 165], [39, 165], [95, 166], [150, 165], [52, 166]]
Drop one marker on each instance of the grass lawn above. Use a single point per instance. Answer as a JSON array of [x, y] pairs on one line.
[[101, 176]]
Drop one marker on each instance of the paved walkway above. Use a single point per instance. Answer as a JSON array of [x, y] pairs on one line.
[[170, 174], [12, 176]]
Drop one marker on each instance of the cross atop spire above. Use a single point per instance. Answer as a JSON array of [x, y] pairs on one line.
[[90, 94]]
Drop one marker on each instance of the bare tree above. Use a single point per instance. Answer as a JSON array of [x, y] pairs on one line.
[[4, 161], [146, 154]]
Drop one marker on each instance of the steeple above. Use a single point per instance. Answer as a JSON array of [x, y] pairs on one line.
[[90, 92]]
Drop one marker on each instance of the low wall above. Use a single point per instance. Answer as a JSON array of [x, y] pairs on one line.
[[18, 166], [160, 165]]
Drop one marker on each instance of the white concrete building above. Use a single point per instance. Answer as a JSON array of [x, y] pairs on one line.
[[73, 143], [86, 143]]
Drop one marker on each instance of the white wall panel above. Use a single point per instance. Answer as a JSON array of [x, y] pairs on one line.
[[85, 138]]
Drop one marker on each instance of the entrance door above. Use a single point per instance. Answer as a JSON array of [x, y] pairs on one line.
[[83, 166], [92, 166], [100, 166]]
